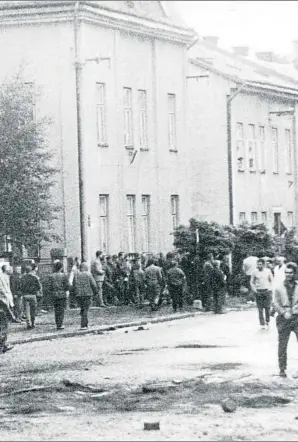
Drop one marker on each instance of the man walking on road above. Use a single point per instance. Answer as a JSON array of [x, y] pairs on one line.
[[286, 304], [261, 284], [84, 287], [154, 282], [176, 281]]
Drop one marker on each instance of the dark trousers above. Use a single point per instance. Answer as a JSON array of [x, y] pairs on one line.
[[18, 307], [84, 304], [207, 296], [30, 304], [264, 300], [284, 328], [59, 310], [176, 293], [153, 294], [218, 299]]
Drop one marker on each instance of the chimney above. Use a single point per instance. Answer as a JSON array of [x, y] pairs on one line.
[[241, 50], [211, 39], [265, 56], [295, 53]]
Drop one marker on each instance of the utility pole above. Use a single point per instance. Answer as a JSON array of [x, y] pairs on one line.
[[78, 81]]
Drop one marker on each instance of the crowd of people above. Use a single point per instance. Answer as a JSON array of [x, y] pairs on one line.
[[140, 280]]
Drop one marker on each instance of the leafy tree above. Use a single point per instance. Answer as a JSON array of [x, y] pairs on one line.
[[290, 245], [26, 175]]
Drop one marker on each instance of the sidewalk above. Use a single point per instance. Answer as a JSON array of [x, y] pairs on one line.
[[101, 320]]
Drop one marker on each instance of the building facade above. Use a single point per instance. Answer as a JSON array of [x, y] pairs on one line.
[[242, 137], [112, 77]]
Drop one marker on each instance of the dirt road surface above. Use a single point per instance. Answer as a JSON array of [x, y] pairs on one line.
[[106, 387]]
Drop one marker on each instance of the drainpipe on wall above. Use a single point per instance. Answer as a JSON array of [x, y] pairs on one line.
[[230, 98], [78, 81]]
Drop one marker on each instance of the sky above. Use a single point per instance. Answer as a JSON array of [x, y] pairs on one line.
[[262, 25]]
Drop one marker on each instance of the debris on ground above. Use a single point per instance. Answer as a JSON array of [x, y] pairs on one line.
[[82, 387], [149, 426], [229, 405]]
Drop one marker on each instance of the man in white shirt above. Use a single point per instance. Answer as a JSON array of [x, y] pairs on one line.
[[279, 272], [261, 284], [248, 266]]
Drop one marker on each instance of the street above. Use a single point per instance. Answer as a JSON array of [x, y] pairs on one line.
[[106, 387]]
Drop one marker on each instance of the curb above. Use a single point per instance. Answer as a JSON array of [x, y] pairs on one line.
[[101, 329]]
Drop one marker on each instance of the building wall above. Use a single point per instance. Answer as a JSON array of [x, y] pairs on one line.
[[257, 191], [207, 137], [44, 55], [139, 63]]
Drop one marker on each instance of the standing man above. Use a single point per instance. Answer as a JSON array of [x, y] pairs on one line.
[[207, 292], [286, 304], [30, 286], [176, 282], [15, 286], [84, 287], [261, 285], [59, 287], [154, 282], [98, 274], [249, 265]]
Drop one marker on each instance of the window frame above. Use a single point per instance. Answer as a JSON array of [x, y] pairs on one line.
[[146, 223], [240, 146], [128, 118], [172, 121], [131, 216], [175, 211], [275, 150], [242, 215], [251, 148], [101, 122], [104, 246], [289, 151], [262, 149], [252, 215]]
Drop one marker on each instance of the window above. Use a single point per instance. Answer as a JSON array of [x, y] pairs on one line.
[[104, 222], [288, 151], [290, 216], [264, 217], [128, 128], [262, 152], [145, 223], [240, 146], [131, 222], [254, 217], [143, 120], [175, 210], [242, 217], [277, 223], [172, 121], [251, 148], [274, 139], [101, 114]]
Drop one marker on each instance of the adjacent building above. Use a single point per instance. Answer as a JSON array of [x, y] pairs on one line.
[[242, 136]]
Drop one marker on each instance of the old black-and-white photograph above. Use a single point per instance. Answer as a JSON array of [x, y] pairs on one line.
[[148, 220]]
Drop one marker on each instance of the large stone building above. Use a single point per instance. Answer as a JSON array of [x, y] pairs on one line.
[[112, 77], [242, 137]]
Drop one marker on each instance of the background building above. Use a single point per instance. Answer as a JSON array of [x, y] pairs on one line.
[[242, 138]]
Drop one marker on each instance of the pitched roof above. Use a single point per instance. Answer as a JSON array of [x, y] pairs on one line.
[[266, 75]]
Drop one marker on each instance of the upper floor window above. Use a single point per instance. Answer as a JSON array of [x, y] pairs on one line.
[[172, 121], [289, 160], [251, 148], [275, 153], [143, 119], [128, 125], [262, 151], [290, 220], [101, 114], [175, 210], [240, 146]]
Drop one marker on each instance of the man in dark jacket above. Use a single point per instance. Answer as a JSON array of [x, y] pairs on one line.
[[59, 288], [30, 286], [154, 282], [84, 287], [176, 281]]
